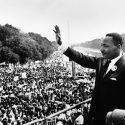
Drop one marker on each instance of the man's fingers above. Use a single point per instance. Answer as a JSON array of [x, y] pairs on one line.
[[54, 31], [57, 29]]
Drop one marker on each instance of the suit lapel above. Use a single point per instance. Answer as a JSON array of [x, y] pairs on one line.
[[104, 68], [114, 72]]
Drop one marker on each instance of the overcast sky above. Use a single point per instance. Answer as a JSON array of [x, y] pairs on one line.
[[79, 20]]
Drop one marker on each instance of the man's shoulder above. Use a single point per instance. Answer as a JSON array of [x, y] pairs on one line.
[[122, 61]]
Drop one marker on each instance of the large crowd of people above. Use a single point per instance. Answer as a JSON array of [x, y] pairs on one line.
[[36, 90]]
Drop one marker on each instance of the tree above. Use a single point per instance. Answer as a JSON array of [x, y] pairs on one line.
[[18, 46], [4, 34], [23, 53], [6, 55], [44, 44]]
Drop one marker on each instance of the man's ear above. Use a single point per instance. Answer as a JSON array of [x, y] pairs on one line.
[[119, 46]]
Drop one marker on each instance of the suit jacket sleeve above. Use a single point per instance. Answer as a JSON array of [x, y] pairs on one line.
[[83, 60]]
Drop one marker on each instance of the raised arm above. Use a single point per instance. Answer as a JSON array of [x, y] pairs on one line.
[[58, 35]]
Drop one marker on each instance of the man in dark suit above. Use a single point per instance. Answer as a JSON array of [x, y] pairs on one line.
[[109, 90]]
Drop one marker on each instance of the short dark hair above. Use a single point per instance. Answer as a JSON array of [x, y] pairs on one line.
[[117, 38]]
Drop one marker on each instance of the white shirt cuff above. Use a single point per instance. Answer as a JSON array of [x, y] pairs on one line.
[[62, 48]]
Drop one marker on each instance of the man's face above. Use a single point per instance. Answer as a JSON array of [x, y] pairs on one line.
[[108, 49]]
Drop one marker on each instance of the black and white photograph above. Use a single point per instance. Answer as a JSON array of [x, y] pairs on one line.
[[62, 62]]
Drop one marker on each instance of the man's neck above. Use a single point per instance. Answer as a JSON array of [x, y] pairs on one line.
[[117, 57]]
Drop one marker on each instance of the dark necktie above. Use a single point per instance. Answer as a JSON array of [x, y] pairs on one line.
[[106, 66]]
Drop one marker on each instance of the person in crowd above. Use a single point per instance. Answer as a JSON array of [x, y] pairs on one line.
[[80, 119], [34, 91], [109, 89], [23, 99]]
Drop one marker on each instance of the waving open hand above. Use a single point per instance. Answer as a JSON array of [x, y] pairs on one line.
[[58, 36]]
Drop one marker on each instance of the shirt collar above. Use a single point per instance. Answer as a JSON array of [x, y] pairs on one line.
[[117, 58]]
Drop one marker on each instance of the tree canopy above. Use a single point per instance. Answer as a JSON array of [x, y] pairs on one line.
[[17, 46]]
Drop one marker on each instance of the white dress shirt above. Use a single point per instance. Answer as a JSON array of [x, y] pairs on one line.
[[113, 61]]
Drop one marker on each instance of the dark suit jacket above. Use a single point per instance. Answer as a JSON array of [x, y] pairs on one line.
[[109, 90]]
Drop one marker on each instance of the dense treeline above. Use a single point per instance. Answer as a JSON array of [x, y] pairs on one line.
[[16, 46]]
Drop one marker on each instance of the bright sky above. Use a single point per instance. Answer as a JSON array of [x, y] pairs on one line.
[[79, 20]]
